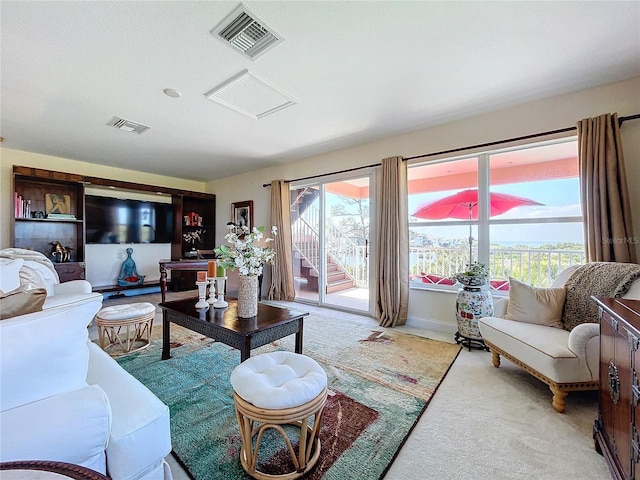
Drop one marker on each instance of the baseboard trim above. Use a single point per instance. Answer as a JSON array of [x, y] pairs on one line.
[[431, 324]]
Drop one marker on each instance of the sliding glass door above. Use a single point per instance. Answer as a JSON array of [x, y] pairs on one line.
[[331, 242]]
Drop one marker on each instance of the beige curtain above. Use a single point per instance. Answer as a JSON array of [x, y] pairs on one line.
[[392, 240], [604, 194], [282, 287]]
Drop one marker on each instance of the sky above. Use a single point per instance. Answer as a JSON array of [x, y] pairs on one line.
[[559, 198]]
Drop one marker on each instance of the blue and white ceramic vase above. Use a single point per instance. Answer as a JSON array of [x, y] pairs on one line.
[[473, 302]]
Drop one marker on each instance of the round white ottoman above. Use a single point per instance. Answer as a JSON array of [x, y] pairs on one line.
[[275, 389], [126, 327]]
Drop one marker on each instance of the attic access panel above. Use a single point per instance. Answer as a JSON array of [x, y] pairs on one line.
[[251, 96]]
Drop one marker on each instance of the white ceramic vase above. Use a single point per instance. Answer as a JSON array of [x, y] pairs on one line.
[[247, 296]]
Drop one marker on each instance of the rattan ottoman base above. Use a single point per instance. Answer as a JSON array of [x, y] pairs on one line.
[[253, 422], [126, 335]]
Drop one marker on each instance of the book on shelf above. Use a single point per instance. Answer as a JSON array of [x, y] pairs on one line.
[[22, 206]]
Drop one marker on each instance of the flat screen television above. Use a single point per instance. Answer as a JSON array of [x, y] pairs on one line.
[[116, 220]]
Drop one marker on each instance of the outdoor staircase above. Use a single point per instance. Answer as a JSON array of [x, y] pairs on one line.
[[302, 199], [306, 247], [337, 277]]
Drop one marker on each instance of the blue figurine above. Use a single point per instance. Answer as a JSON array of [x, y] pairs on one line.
[[128, 273]]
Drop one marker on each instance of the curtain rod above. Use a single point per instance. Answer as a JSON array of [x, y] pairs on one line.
[[621, 120], [325, 174]]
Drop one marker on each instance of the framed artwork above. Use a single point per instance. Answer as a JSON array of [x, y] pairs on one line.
[[57, 203], [242, 214]]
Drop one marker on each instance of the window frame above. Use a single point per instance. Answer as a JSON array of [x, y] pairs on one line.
[[484, 222]]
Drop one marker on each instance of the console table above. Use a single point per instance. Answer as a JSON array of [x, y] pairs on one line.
[[193, 265], [188, 264]]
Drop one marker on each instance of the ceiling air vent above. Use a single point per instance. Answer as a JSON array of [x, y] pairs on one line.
[[127, 125], [245, 32]]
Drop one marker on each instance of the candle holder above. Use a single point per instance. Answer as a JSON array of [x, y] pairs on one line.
[[212, 290], [202, 295], [220, 303]]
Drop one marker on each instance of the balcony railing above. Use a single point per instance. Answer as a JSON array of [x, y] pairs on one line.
[[534, 266]]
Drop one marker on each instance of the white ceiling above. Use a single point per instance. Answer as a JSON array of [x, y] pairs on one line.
[[358, 71]]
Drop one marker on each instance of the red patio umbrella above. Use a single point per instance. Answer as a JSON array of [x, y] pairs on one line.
[[464, 205]]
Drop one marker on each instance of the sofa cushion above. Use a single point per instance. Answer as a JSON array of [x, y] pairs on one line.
[[21, 302], [48, 278], [31, 279], [541, 306], [72, 427], [71, 299], [10, 274], [139, 418], [44, 353], [543, 349]]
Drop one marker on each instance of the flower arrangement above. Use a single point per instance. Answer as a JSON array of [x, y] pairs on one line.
[[247, 254], [194, 236], [475, 274]]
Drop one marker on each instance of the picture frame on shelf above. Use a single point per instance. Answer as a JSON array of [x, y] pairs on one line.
[[242, 214], [57, 204]]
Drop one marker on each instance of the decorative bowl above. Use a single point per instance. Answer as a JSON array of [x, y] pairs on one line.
[[130, 283]]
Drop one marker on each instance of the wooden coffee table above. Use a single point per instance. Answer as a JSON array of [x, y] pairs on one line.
[[223, 325]]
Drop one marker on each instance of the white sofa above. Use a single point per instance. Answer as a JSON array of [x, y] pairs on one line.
[[63, 399], [36, 271], [565, 360]]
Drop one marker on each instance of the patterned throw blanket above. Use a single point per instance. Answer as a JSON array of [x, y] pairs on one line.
[[606, 279], [13, 253]]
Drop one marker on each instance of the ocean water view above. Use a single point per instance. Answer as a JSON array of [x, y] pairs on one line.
[[528, 243]]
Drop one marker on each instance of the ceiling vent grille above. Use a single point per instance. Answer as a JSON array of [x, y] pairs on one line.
[[127, 125], [246, 33]]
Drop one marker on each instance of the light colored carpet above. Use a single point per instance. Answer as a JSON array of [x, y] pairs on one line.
[[485, 423]]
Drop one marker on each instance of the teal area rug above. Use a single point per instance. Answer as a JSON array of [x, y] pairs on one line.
[[366, 421]]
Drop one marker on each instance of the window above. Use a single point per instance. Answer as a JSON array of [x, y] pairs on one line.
[[516, 210]]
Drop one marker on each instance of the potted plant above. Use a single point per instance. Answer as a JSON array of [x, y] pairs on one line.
[[475, 275], [248, 254]]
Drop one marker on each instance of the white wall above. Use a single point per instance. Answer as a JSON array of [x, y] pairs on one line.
[[530, 118], [104, 261]]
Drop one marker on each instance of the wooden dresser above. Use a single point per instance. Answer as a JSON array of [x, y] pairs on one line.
[[70, 271], [617, 429]]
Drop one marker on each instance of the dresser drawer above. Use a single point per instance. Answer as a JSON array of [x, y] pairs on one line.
[[618, 423], [70, 271]]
